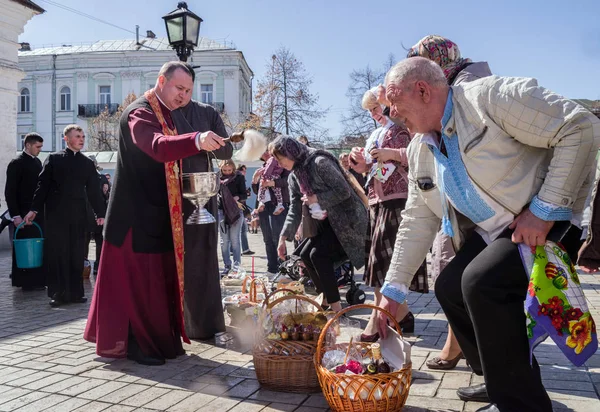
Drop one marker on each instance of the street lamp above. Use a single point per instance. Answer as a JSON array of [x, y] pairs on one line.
[[183, 29]]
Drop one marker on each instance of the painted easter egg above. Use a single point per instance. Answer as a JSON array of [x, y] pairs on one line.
[[560, 282], [551, 270]]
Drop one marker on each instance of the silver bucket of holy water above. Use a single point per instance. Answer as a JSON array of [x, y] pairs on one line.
[[198, 188]]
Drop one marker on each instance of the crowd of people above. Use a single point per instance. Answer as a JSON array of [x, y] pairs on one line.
[[464, 164]]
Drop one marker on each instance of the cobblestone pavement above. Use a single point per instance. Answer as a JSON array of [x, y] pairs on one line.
[[45, 365]]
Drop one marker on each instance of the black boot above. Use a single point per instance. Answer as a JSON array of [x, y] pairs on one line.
[[134, 353], [408, 323]]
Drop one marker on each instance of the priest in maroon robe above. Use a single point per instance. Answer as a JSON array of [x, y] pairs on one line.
[[136, 309]]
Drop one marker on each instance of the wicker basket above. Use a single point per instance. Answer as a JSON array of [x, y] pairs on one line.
[[237, 314], [286, 365], [381, 392]]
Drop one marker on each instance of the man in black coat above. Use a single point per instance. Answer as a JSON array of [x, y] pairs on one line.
[[21, 181], [68, 178]]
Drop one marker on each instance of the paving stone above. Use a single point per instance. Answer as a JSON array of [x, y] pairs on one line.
[[70, 405], [144, 397], [123, 393], [455, 381], [568, 385], [22, 401], [219, 405], [280, 397], [12, 394], [425, 403], [119, 408], [29, 378], [64, 384], [422, 387], [16, 374], [243, 389], [47, 402], [249, 406], [167, 400], [192, 403], [47, 381], [93, 406], [102, 390], [316, 401], [84, 386]]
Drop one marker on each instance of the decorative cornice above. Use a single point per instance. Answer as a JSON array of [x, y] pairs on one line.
[[104, 75], [44, 78], [83, 76], [130, 75]]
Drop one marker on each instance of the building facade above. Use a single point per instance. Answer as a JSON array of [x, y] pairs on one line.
[[13, 17], [74, 84]]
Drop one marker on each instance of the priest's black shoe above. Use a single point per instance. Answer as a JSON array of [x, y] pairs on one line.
[[134, 353], [490, 408], [79, 300], [476, 393], [56, 303]]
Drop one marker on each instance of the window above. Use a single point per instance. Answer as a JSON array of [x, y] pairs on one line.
[[206, 93], [23, 141], [24, 101], [65, 99], [105, 95]]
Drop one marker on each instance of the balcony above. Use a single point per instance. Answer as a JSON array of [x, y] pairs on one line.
[[219, 106], [94, 110]]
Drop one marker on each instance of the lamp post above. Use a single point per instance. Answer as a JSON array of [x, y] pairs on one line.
[[183, 30]]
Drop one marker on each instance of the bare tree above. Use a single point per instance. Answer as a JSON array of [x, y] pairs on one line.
[[358, 122], [283, 97], [104, 129]]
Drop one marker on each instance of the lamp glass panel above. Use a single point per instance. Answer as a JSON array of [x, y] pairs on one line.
[[192, 28], [175, 29]]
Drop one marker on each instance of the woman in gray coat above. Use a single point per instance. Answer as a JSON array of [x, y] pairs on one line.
[[318, 181]]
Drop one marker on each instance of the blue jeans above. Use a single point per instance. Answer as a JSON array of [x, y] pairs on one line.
[[230, 240], [245, 245], [271, 226]]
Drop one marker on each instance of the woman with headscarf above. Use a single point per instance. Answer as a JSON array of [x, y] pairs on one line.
[[384, 161], [339, 214], [457, 70]]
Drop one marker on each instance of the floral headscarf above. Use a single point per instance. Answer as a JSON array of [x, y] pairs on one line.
[[291, 148], [442, 51]]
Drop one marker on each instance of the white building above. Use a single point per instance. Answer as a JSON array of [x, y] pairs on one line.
[[71, 84], [14, 15]]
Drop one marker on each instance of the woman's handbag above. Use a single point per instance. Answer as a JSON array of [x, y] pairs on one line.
[[309, 225]]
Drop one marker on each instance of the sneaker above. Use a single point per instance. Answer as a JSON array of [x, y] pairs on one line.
[[271, 275], [225, 271], [247, 252]]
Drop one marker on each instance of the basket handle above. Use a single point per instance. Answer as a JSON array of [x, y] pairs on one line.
[[297, 298], [252, 292], [23, 223], [270, 295], [323, 334], [245, 283]]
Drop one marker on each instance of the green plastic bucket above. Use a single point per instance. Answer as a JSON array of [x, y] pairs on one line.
[[29, 252]]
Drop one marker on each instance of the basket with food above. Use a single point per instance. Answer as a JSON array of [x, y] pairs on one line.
[[243, 307], [283, 357], [361, 376]]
